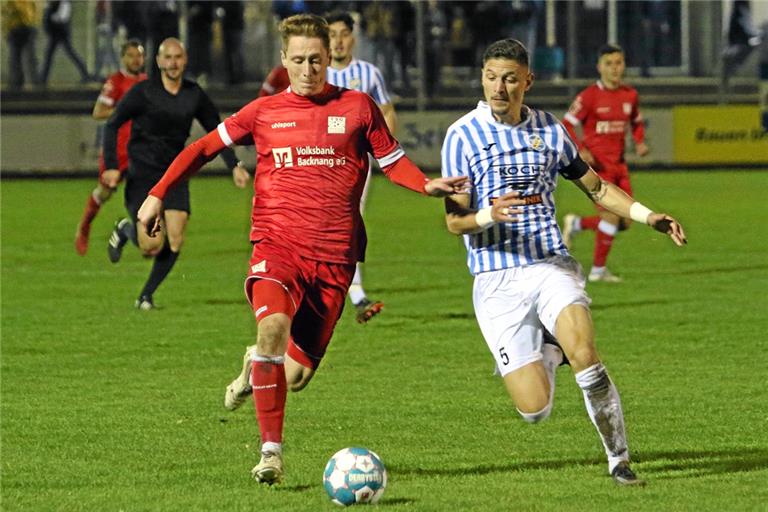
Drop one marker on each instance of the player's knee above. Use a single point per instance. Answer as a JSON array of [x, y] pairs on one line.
[[538, 416], [175, 243], [624, 224], [273, 334], [583, 356]]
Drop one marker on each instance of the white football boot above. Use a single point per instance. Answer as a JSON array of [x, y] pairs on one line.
[[239, 389], [269, 470]]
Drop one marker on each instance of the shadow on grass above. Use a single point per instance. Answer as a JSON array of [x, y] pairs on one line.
[[720, 270], [395, 501], [692, 463], [666, 464], [630, 304]]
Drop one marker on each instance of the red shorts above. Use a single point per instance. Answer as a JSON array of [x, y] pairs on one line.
[[317, 289], [618, 174]]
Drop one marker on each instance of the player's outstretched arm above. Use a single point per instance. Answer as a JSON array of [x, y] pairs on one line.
[[463, 220], [405, 173], [614, 199]]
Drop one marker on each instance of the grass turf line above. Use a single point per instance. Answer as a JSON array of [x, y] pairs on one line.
[[106, 408]]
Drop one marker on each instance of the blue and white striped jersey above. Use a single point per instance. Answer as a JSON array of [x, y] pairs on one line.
[[498, 159], [361, 76]]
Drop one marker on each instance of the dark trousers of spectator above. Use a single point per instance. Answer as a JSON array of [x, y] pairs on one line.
[[234, 63], [21, 42], [56, 38]]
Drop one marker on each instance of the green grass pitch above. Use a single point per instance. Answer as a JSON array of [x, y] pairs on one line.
[[105, 408]]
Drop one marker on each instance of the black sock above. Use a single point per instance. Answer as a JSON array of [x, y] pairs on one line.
[[164, 262], [128, 232]]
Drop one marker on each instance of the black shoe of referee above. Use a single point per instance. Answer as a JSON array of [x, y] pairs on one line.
[[118, 239]]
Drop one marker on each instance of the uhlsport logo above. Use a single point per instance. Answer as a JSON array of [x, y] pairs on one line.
[[283, 157], [536, 143], [284, 124]]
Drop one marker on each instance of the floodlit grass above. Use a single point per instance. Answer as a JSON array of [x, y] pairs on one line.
[[106, 408]]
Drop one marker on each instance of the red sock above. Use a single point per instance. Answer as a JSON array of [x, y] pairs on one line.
[[269, 392], [590, 222], [603, 244], [91, 209]]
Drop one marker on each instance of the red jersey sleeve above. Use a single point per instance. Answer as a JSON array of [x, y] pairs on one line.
[[110, 92], [237, 128], [637, 121], [384, 146], [577, 114]]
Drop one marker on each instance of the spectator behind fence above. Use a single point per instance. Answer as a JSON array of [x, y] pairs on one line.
[[20, 28], [199, 36], [57, 20], [106, 58], [233, 25]]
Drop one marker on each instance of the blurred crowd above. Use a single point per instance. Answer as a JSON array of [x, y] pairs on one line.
[[452, 33]]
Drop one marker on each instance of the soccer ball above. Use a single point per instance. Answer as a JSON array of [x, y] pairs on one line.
[[354, 475]]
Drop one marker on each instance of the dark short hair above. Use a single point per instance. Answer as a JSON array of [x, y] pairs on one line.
[[131, 43], [510, 49], [341, 16], [307, 25], [609, 48]]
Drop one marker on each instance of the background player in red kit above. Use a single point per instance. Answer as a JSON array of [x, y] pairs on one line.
[[312, 144], [276, 81], [131, 73], [605, 110]]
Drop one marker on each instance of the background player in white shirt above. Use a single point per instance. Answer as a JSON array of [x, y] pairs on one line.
[[346, 71], [527, 287]]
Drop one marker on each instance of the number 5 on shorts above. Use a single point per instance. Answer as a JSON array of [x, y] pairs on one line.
[[504, 356]]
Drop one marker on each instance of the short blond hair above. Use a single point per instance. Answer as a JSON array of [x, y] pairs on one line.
[[307, 25]]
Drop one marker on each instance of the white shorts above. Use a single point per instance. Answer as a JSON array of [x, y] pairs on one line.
[[514, 306]]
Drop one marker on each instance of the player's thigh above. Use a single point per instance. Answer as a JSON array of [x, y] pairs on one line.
[[297, 375], [318, 313], [505, 311], [562, 290], [575, 333], [528, 386]]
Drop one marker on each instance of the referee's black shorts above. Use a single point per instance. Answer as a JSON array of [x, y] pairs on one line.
[[137, 188]]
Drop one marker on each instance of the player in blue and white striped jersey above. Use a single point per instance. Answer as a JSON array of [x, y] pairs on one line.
[[529, 293], [346, 71]]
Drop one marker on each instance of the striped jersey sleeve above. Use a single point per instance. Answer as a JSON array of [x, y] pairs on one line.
[[361, 76]]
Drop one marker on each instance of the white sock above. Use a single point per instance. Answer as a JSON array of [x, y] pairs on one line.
[[576, 227], [607, 228], [597, 271], [269, 446], [95, 196], [604, 408], [356, 292]]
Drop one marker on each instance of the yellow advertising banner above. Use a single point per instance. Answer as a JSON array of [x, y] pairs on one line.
[[719, 135]]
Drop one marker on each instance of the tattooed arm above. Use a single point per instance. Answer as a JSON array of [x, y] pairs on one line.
[[615, 200]]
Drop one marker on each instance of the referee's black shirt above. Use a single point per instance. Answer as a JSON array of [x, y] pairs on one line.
[[161, 124]]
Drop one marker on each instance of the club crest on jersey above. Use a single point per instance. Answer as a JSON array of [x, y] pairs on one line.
[[337, 124], [536, 143], [355, 84], [283, 157], [259, 267], [627, 107]]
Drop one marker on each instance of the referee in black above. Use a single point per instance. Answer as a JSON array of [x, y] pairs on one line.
[[162, 110]]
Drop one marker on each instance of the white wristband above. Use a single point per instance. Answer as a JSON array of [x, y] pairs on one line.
[[639, 213], [484, 218]]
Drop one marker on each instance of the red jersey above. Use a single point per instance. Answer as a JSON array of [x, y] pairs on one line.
[[605, 115], [277, 81], [312, 163], [111, 92]]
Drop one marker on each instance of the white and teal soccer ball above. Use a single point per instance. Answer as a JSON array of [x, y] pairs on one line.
[[354, 475]]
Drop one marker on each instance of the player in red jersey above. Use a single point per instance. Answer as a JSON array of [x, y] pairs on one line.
[[605, 110], [312, 143], [131, 73], [276, 81]]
